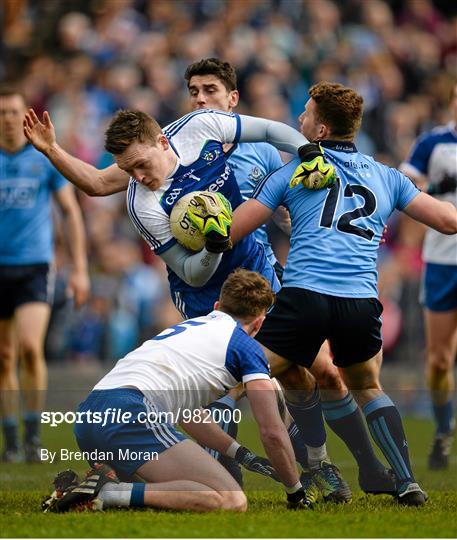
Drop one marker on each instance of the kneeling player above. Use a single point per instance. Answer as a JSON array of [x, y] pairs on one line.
[[182, 369]]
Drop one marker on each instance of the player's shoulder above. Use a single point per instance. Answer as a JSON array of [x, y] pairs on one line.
[[438, 134], [201, 117]]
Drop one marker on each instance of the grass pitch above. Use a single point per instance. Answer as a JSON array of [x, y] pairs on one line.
[[24, 486]]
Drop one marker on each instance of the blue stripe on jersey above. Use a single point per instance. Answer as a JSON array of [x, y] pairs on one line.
[[238, 129], [244, 355], [136, 220]]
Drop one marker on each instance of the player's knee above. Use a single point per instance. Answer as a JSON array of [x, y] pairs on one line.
[[7, 359], [235, 501], [330, 379], [439, 362], [31, 354]]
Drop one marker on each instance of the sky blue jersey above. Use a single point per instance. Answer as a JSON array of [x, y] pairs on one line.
[[27, 180], [251, 163], [336, 232]]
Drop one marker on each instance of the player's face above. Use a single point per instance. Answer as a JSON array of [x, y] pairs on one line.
[[12, 112], [310, 126], [208, 92], [146, 163]]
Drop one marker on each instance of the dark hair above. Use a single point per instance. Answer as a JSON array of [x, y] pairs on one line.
[[213, 66], [127, 127], [245, 295], [7, 90], [339, 107]]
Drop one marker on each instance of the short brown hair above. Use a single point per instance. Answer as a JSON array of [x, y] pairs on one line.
[[127, 127], [8, 90], [339, 107], [213, 66], [245, 295]]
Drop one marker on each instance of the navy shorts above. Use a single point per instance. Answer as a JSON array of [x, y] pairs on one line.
[[23, 284], [126, 445], [301, 320], [439, 287]]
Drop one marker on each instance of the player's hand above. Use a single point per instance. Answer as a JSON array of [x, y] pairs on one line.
[[447, 185], [298, 500], [212, 215], [314, 172], [40, 133], [78, 287], [254, 463]]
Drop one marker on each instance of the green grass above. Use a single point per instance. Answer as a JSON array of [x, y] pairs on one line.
[[23, 487]]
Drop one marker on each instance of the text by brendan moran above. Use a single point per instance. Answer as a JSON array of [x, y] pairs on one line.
[[96, 456]]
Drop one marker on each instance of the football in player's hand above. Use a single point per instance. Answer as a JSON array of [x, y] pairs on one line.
[[185, 232]]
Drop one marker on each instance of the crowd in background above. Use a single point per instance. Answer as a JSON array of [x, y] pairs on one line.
[[83, 59]]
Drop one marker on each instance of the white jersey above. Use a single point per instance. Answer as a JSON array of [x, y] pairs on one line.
[[434, 155], [197, 140], [191, 364]]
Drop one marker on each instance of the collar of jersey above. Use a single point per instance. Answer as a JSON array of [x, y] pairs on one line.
[[339, 146]]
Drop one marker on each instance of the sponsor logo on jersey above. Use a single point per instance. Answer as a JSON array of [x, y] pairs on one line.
[[355, 165], [19, 194], [171, 198], [219, 183]]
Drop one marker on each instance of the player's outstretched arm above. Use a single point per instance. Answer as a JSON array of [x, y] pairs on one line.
[[248, 217], [440, 215], [93, 181]]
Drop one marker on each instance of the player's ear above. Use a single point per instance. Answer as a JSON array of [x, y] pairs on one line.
[[162, 141], [216, 304], [255, 325], [234, 98]]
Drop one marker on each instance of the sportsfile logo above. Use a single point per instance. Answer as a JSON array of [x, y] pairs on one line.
[[113, 415]]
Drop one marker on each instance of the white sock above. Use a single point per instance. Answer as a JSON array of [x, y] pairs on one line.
[[113, 494], [316, 455]]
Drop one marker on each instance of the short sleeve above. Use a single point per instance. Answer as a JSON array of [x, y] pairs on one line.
[[420, 154], [245, 359], [406, 190], [271, 191]]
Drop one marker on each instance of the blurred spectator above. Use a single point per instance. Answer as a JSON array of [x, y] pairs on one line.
[[83, 60]]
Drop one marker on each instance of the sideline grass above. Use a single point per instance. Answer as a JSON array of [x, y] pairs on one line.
[[23, 487]]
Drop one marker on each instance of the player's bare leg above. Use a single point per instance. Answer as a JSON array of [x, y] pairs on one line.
[[346, 420], [385, 425], [184, 477], [31, 325], [441, 334], [9, 390]]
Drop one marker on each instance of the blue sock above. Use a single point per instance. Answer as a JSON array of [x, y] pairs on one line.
[[309, 420], [387, 430], [137, 496], [444, 416], [344, 417], [299, 445], [32, 425], [10, 433]]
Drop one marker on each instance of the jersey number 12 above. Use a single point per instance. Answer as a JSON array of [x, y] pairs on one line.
[[344, 222]]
